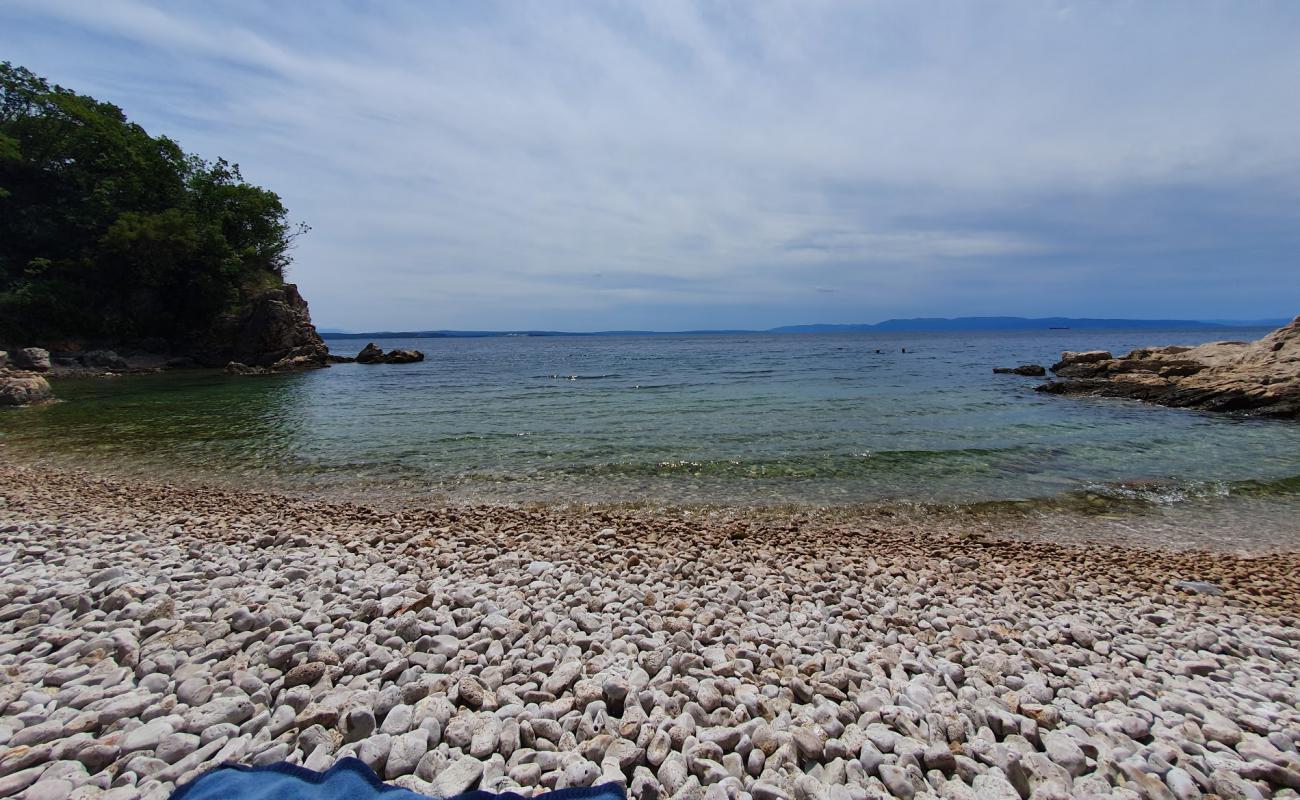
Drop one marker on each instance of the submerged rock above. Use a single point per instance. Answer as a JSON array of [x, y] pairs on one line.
[[1260, 377]]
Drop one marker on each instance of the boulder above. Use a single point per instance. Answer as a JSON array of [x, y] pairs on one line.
[[370, 354], [23, 389], [1260, 378], [1031, 370], [333, 358], [403, 356], [35, 359], [4, 359]]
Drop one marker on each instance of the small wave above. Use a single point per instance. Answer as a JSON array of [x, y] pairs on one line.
[[860, 465], [1103, 498]]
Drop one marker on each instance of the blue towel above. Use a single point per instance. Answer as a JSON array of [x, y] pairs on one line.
[[348, 779]]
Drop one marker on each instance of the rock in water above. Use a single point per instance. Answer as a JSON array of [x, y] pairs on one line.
[[274, 332], [372, 354], [1072, 363], [23, 389], [1031, 370], [403, 356], [1260, 377]]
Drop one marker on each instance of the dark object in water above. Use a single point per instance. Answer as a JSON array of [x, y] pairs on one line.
[[370, 354], [1029, 370]]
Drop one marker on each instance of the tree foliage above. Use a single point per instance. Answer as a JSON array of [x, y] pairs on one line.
[[109, 233]]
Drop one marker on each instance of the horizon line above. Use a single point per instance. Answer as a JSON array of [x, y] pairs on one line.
[[910, 324]]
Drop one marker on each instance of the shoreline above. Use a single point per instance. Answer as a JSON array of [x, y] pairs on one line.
[[1248, 517], [151, 631]]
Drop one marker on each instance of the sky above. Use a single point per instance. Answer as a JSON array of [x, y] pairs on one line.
[[669, 165]]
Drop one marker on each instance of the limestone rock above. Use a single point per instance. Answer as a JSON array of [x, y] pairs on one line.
[[1261, 378], [23, 389]]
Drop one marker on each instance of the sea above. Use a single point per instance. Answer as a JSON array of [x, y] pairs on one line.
[[735, 420]]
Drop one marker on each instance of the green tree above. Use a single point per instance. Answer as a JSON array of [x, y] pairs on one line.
[[107, 232]]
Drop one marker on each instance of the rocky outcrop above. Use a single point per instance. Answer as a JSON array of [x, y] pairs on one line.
[[371, 354], [274, 332], [23, 388], [1261, 378], [34, 359], [1029, 370]]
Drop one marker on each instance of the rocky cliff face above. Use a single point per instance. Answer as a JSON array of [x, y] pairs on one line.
[[1260, 377], [273, 333]]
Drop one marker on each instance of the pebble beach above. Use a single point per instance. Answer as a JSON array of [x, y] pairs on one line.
[[149, 632]]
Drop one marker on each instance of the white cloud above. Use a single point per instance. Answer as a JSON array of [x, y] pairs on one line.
[[471, 165]]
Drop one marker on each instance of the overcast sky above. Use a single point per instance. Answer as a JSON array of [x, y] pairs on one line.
[[669, 165]]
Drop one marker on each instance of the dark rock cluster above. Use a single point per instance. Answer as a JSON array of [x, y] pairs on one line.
[[1028, 370], [371, 354]]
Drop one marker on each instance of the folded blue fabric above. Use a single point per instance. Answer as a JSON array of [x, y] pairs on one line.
[[348, 779]]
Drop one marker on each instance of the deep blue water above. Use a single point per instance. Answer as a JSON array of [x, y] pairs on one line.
[[710, 419]]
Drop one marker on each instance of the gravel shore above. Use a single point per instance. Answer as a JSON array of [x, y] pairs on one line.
[[149, 632]]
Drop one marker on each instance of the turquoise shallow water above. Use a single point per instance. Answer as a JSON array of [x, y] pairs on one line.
[[707, 419]]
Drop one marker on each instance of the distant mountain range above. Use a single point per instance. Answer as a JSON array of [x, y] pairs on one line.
[[915, 324]]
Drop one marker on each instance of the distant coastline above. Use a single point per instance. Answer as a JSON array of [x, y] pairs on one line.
[[914, 324]]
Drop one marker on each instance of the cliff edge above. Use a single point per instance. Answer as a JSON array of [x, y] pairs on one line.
[[273, 332]]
